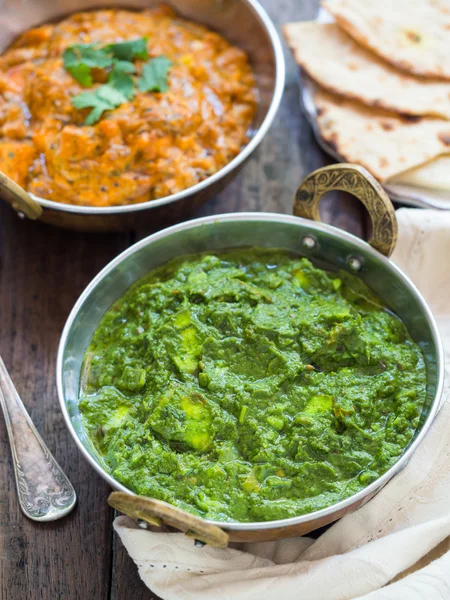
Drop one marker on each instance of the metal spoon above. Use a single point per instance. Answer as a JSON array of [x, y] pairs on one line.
[[45, 493]]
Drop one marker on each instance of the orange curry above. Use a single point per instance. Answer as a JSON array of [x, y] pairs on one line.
[[157, 144]]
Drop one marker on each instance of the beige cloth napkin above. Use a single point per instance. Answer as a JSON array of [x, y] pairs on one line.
[[381, 551]]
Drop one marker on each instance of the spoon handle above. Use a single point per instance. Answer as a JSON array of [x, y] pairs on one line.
[[45, 493]]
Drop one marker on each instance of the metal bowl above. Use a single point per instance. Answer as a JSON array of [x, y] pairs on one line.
[[244, 23], [323, 244]]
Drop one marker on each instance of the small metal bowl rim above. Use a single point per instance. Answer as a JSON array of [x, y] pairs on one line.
[[246, 151], [355, 499]]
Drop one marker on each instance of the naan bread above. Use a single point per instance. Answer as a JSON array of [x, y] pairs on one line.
[[384, 143], [433, 175], [413, 35], [335, 61]]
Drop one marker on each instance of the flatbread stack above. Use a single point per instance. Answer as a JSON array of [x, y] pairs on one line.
[[382, 93]]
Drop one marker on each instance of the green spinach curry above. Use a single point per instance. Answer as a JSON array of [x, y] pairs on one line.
[[250, 385]]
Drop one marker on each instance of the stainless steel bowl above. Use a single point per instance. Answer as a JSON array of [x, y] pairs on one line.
[[324, 244], [244, 23]]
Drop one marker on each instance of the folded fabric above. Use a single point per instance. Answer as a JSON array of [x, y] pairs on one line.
[[397, 546]]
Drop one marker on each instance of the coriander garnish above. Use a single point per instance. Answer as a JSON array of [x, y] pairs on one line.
[[103, 98], [129, 50], [154, 75], [80, 59]]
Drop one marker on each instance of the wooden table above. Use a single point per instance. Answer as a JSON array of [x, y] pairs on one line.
[[42, 272]]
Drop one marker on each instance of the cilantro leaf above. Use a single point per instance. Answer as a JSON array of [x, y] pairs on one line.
[[88, 54], [85, 99], [155, 75], [81, 58], [91, 100], [109, 94], [96, 113], [129, 50], [124, 66], [103, 98], [120, 87], [82, 74], [120, 80]]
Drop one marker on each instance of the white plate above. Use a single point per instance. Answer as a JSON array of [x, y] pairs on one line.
[[410, 195]]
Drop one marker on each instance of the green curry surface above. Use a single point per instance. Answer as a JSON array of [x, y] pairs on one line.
[[250, 386]]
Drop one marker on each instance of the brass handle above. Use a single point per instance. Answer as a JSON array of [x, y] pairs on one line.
[[359, 182], [19, 199], [156, 512]]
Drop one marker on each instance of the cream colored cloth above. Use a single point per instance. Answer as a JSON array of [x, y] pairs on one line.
[[380, 552]]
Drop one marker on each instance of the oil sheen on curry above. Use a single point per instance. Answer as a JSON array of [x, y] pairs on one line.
[[168, 135], [250, 386]]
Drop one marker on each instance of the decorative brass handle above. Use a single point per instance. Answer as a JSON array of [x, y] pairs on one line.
[[156, 512], [45, 493], [359, 182], [19, 199]]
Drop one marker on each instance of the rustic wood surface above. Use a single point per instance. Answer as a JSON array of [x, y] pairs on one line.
[[42, 272]]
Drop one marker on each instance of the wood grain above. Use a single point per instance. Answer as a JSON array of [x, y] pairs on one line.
[[42, 272]]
